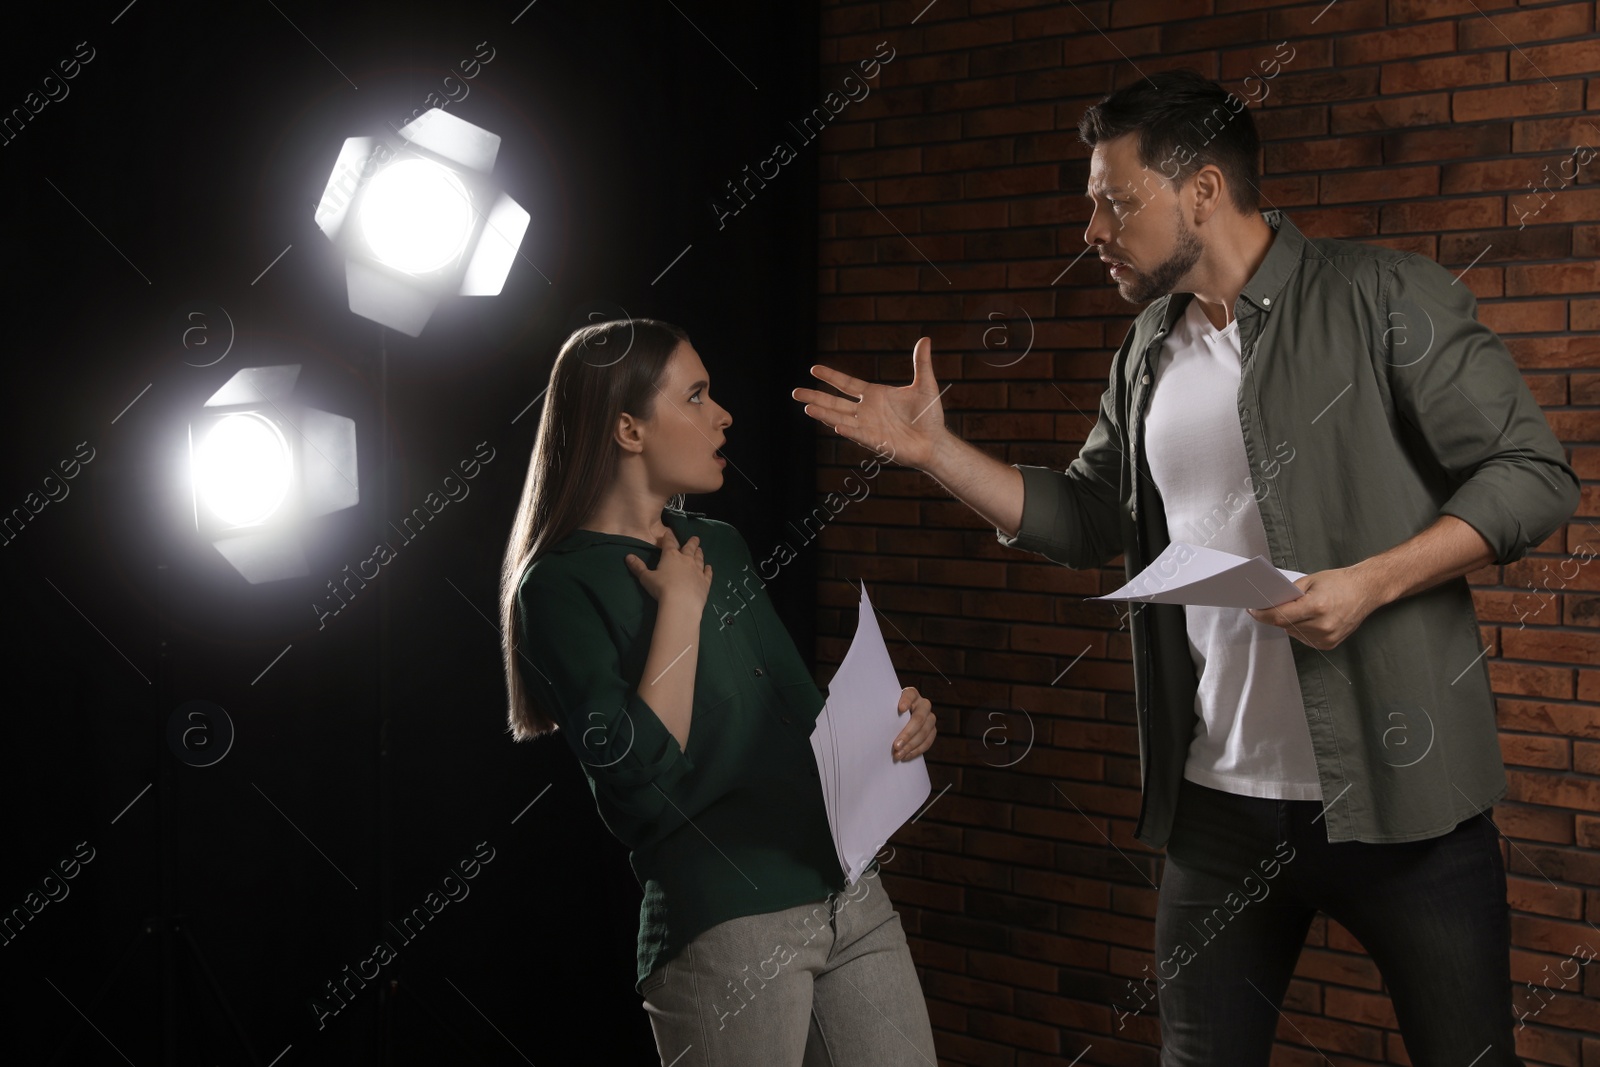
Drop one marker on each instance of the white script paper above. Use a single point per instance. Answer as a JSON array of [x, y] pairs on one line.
[[868, 794], [1194, 574]]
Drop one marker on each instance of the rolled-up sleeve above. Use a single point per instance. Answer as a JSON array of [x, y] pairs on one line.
[[1074, 517], [572, 668], [1455, 383]]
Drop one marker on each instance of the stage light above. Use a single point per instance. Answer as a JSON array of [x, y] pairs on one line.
[[242, 469], [416, 217], [261, 465], [419, 219]]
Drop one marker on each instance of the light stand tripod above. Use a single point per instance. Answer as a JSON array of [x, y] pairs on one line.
[[169, 928]]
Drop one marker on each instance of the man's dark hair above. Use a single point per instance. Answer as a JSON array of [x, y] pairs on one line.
[[1184, 121]]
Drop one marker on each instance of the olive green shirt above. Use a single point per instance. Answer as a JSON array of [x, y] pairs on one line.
[[735, 823], [1371, 401]]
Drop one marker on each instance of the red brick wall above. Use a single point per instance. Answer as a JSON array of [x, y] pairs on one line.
[[1416, 125]]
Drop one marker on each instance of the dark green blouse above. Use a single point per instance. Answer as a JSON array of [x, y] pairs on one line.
[[733, 825]]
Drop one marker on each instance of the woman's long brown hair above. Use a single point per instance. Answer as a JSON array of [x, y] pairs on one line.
[[602, 370]]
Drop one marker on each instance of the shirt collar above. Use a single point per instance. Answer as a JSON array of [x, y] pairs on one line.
[[1282, 258], [1281, 261], [677, 520]]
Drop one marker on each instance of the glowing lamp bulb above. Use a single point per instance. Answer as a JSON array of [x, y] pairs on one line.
[[416, 216], [242, 469]]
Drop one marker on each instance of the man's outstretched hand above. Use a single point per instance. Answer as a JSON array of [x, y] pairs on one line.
[[905, 422]]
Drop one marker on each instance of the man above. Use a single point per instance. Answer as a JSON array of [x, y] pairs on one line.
[[1337, 408]]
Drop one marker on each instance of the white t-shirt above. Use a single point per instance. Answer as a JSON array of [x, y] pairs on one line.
[[1252, 736]]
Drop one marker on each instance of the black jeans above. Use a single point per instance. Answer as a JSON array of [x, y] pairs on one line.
[[1245, 876]]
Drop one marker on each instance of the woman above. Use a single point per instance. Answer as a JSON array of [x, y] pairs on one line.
[[691, 711]]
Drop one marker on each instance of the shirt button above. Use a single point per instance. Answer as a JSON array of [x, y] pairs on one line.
[[727, 620], [1266, 300], [1145, 378], [758, 672]]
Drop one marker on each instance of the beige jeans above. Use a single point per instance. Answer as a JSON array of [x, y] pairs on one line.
[[829, 984]]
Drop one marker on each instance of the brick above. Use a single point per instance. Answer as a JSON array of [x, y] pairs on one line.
[[1574, 720], [1453, 143], [1449, 72], [1306, 20], [867, 222], [1256, 60], [920, 70], [1502, 246], [1322, 87], [1553, 278], [1213, 31], [1288, 191], [1016, 119], [1029, 55], [1011, 181], [876, 279], [1550, 935], [1554, 351], [1139, 12], [1059, 145], [1580, 426], [1542, 898], [1353, 222], [1526, 822], [859, 165], [915, 130], [986, 92], [1586, 240], [964, 217], [1387, 113], [1554, 60], [1329, 154], [967, 155], [1388, 184], [1091, 81], [1473, 213], [1542, 24], [1402, 42], [1204, 62], [1419, 10], [1278, 124], [1514, 175], [967, 34], [1047, 22], [916, 190], [1558, 135], [1529, 316], [1516, 100], [1526, 750], [1359, 1007], [1337, 967]]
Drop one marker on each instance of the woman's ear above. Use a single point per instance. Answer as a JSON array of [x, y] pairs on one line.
[[629, 433]]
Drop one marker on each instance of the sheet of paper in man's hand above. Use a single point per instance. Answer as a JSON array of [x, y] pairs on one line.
[[1194, 574], [867, 793]]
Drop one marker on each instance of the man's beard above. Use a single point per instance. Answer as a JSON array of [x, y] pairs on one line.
[[1145, 286]]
